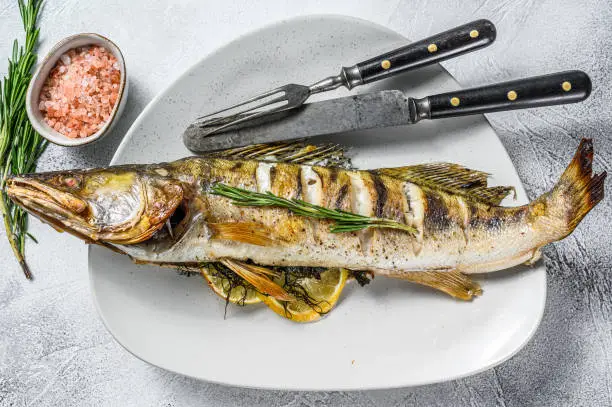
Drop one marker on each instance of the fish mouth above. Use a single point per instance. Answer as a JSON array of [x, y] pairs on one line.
[[59, 208]]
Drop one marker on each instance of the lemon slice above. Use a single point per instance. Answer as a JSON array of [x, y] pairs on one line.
[[242, 293], [314, 297]]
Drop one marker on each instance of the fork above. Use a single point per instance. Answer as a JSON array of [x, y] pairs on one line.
[[451, 43]]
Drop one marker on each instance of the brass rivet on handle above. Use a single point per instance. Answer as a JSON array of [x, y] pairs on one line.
[[432, 48], [474, 33], [386, 64], [512, 95], [455, 101], [566, 86]]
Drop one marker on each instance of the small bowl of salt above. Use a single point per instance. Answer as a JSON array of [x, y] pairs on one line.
[[79, 91]]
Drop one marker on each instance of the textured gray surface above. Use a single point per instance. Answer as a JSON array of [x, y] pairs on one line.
[[55, 351]]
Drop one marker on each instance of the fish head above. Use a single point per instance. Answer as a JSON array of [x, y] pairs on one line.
[[120, 205]]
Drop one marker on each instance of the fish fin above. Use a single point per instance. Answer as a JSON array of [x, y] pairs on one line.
[[257, 276], [536, 255], [576, 193], [452, 282], [452, 178], [288, 152], [244, 232]]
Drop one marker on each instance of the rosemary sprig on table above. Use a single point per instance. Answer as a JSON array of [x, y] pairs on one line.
[[20, 145], [343, 221]]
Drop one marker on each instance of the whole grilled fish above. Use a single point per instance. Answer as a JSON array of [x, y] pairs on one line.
[[166, 214]]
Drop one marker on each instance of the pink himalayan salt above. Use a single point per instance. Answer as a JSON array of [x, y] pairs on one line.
[[81, 91]]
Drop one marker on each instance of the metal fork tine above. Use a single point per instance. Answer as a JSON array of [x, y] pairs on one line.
[[218, 121], [250, 116], [291, 94], [240, 116], [251, 100]]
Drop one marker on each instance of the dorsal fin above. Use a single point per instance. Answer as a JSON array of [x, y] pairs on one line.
[[451, 178], [289, 152]]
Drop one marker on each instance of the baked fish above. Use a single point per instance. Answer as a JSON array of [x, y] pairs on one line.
[[433, 224]]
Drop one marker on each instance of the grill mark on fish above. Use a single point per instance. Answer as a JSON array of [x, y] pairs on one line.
[[395, 206], [341, 196], [494, 223], [381, 195], [408, 204], [322, 173], [405, 204], [272, 175], [517, 215], [331, 190], [236, 166], [298, 192], [496, 218], [475, 220], [333, 174], [481, 217], [464, 223], [437, 215]]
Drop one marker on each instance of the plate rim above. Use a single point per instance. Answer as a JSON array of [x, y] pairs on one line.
[[133, 128]]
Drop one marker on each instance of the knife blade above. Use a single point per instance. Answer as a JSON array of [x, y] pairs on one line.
[[392, 108], [364, 111]]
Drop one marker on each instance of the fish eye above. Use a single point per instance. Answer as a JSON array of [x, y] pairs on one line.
[[70, 182]]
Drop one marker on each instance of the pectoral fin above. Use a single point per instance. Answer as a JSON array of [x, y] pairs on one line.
[[452, 283], [257, 276], [244, 232]]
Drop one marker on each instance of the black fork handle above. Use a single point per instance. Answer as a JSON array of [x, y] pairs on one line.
[[449, 44]]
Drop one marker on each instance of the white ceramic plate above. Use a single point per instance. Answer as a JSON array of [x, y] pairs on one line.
[[388, 334]]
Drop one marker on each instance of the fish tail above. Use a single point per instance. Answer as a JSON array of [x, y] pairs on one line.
[[576, 193]]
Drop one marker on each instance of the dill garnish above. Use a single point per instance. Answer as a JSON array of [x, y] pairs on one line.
[[20, 145], [343, 221], [362, 277]]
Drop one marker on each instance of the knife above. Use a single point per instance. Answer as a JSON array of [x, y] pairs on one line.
[[392, 108]]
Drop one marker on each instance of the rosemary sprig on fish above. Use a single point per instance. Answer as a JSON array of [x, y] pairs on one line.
[[265, 216], [344, 221]]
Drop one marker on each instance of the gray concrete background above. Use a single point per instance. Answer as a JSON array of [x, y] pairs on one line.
[[54, 350]]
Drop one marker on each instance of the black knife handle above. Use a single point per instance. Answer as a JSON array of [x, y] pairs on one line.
[[547, 90], [451, 43]]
